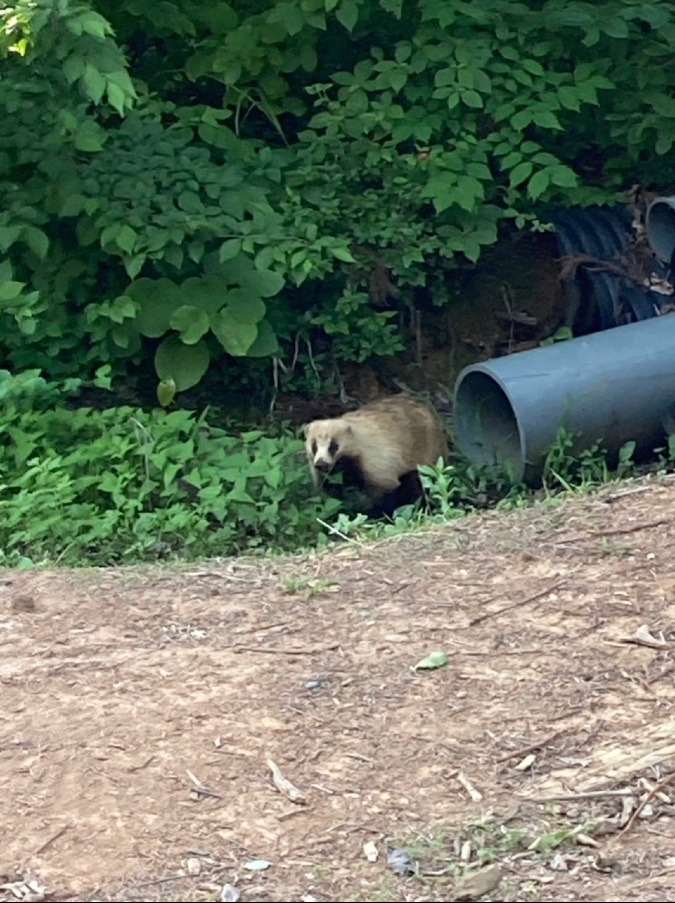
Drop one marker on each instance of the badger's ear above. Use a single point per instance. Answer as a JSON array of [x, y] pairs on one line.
[[303, 430]]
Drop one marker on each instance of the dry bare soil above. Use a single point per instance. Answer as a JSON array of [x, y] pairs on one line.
[[140, 708]]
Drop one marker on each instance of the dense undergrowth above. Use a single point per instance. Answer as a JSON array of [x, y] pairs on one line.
[[80, 486]]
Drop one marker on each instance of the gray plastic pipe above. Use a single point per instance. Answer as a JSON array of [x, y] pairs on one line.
[[660, 227], [611, 386]]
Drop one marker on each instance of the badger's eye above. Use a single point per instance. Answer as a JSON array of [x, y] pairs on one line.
[[314, 447], [332, 448]]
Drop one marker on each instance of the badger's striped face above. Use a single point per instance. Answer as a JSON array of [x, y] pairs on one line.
[[324, 443]]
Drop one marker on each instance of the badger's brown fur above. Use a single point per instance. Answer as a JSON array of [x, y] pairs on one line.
[[378, 449]]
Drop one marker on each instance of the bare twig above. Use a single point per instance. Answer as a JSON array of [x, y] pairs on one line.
[[200, 788], [532, 598], [51, 840], [582, 795], [540, 744], [618, 531], [276, 651], [656, 789]]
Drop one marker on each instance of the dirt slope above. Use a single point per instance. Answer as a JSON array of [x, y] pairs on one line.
[[121, 688]]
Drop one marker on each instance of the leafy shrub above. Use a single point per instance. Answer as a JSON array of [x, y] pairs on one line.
[[246, 180], [125, 485]]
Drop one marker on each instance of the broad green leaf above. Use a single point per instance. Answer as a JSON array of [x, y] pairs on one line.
[[208, 293], [191, 322], [73, 205], [265, 344], [569, 98], [184, 364], [189, 202], [235, 337], [36, 240], [8, 235], [10, 290], [538, 184], [472, 99], [563, 176], [519, 173], [615, 27], [94, 83], [157, 299], [663, 105], [445, 77], [265, 283], [229, 249], [243, 306], [116, 97], [547, 119], [94, 24], [290, 15], [342, 253], [89, 137], [521, 119], [126, 239], [347, 13]]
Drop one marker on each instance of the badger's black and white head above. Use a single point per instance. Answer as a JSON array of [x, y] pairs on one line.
[[327, 442]]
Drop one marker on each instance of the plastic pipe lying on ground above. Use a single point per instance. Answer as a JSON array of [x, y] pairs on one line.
[[660, 227], [608, 387]]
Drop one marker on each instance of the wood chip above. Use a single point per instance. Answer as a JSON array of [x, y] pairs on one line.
[[284, 786], [478, 884], [644, 637], [475, 795]]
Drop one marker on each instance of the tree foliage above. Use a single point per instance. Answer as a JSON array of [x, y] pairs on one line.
[[188, 181]]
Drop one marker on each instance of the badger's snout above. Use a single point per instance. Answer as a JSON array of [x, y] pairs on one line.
[[322, 465]]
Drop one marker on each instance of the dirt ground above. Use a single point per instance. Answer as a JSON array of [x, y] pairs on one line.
[[139, 710]]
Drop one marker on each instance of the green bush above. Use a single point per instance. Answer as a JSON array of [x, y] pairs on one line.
[[195, 183], [124, 485]]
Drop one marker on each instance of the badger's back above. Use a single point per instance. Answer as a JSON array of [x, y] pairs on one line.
[[395, 435]]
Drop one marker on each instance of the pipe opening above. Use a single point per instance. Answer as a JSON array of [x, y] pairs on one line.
[[485, 425], [660, 226]]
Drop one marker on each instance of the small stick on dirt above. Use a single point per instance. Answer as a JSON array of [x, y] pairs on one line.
[[163, 880], [610, 497], [284, 786], [200, 788], [272, 626], [532, 598], [582, 795], [475, 795], [134, 768], [48, 843], [276, 651], [620, 531], [523, 751], [335, 532], [656, 789], [360, 757]]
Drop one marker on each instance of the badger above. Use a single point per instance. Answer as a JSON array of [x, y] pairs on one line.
[[377, 449]]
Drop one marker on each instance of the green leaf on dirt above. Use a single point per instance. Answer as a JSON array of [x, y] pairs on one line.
[[435, 659], [547, 842]]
